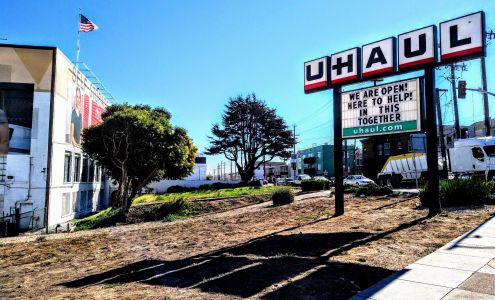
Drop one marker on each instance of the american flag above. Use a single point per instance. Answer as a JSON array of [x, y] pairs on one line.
[[85, 25]]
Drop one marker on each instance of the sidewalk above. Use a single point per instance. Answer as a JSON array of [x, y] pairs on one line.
[[462, 269]]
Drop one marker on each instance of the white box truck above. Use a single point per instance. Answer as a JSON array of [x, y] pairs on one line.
[[474, 157]]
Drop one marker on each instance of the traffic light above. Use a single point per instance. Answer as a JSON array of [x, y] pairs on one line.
[[461, 89]]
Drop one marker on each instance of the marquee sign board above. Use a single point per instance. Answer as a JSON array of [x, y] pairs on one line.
[[460, 38], [383, 109]]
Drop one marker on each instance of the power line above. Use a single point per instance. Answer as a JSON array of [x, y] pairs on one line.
[[316, 112]]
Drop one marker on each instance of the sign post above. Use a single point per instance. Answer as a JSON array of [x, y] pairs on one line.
[[337, 151], [431, 142]]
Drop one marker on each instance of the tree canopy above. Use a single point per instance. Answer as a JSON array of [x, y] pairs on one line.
[[137, 144], [250, 133]]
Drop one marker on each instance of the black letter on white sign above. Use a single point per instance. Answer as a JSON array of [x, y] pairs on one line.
[[454, 41], [376, 56], [319, 75], [340, 65], [408, 53]]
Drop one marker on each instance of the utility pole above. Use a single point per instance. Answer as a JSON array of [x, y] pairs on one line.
[[485, 98], [294, 132], [294, 165], [489, 35], [444, 173], [457, 127]]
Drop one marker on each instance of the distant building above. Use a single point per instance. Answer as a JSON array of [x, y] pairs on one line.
[[200, 167], [318, 160], [272, 169], [479, 128]]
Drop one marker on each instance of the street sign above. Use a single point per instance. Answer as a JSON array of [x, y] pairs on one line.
[[382, 109]]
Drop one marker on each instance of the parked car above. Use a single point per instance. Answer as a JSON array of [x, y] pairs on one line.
[[300, 178], [280, 181], [289, 181], [321, 178], [357, 180]]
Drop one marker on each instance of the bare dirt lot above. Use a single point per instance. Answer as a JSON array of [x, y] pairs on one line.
[[259, 251]]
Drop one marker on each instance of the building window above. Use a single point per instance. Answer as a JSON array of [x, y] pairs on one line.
[[3, 166], [77, 168], [67, 166], [91, 170], [386, 149], [380, 149], [75, 202], [84, 176], [66, 204]]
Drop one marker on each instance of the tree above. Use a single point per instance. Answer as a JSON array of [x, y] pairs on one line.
[[137, 144], [251, 134]]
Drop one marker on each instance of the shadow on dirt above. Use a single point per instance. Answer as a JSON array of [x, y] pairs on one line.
[[259, 265]]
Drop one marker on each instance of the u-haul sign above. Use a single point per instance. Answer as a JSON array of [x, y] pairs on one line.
[[382, 109], [459, 38]]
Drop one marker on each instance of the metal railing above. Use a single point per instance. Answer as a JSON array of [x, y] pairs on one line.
[[15, 222]]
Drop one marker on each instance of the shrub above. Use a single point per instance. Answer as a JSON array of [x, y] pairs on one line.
[[282, 196], [459, 192], [314, 185], [373, 190]]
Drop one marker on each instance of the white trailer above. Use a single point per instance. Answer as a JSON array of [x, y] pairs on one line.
[[404, 167], [473, 157]]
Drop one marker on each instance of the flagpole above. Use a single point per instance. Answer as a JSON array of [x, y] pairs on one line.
[[78, 39]]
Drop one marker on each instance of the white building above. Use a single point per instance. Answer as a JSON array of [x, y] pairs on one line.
[[47, 101], [199, 171]]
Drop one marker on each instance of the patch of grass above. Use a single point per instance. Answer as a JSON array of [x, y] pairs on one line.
[[111, 285], [104, 218], [434, 246], [214, 221], [41, 238], [203, 194]]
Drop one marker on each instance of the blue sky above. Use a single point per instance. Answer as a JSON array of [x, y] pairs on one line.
[[191, 56]]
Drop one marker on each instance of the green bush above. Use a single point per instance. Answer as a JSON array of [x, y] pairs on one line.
[[104, 218], [282, 196], [459, 192], [373, 190], [314, 185]]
